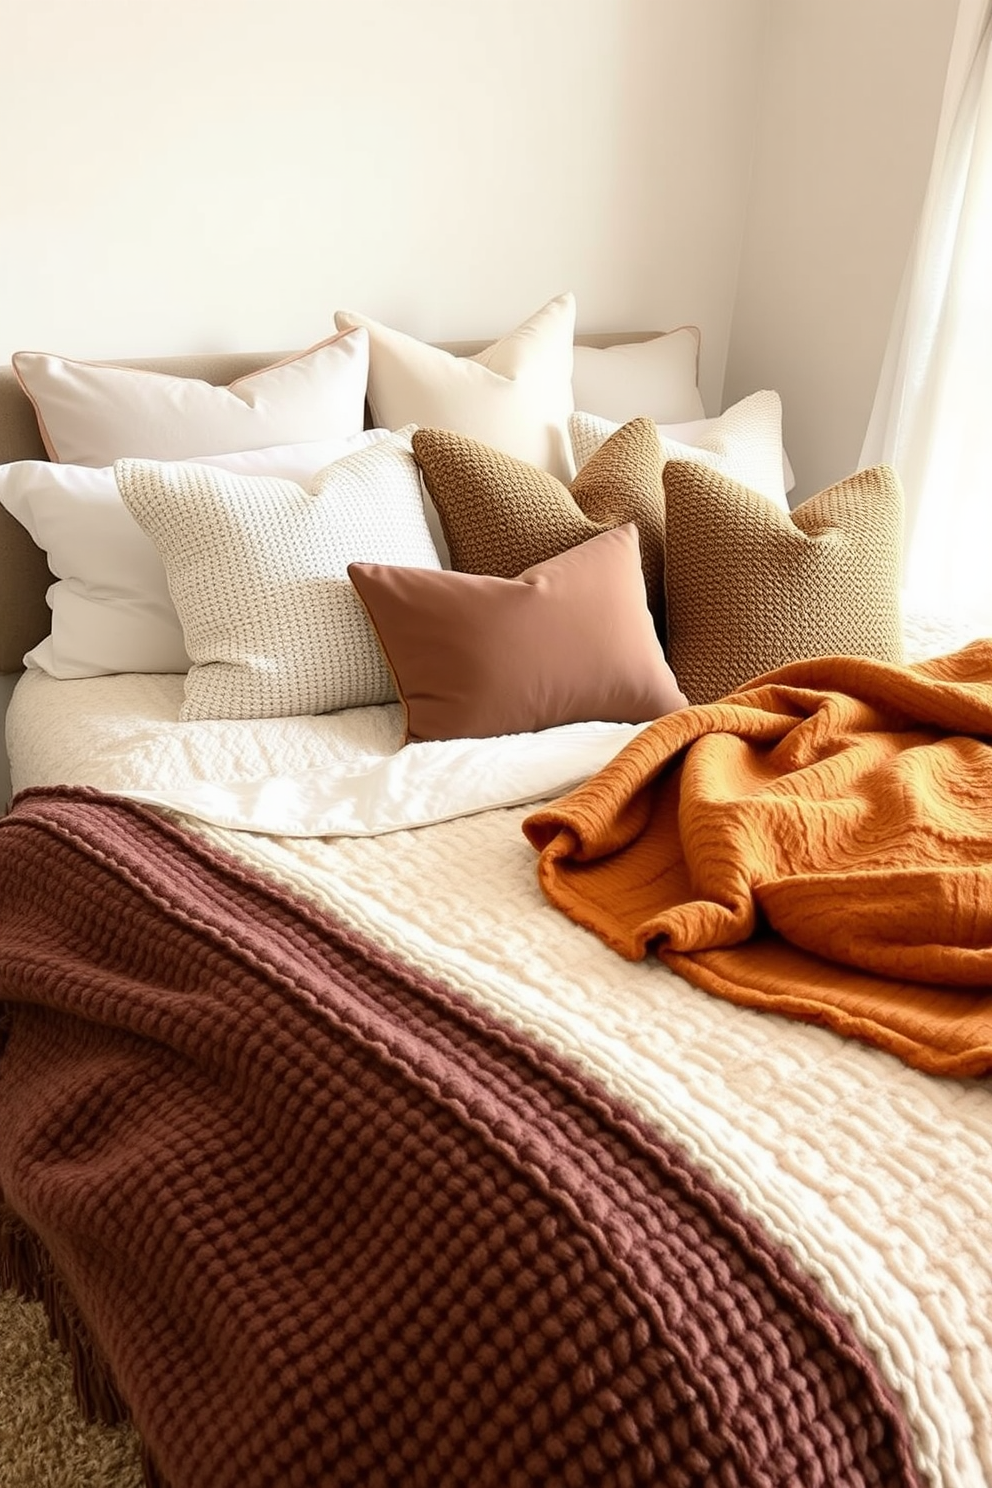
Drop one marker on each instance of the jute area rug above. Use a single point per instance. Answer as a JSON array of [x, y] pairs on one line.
[[44, 1441]]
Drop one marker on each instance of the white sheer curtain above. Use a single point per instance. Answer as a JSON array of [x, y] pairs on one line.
[[932, 418]]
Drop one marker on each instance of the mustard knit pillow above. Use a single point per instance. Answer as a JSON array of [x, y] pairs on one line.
[[501, 515], [749, 587]]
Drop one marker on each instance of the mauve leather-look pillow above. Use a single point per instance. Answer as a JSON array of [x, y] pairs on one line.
[[567, 641]]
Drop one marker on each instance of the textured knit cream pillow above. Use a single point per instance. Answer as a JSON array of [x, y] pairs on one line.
[[744, 442], [500, 515], [749, 587], [258, 572], [110, 603]]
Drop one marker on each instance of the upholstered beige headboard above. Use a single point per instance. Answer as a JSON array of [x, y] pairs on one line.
[[24, 575]]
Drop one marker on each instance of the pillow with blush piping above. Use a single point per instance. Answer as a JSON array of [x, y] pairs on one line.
[[93, 413], [657, 377], [569, 640]]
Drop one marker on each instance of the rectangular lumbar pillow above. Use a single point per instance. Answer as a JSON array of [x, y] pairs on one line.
[[749, 587], [570, 640], [657, 378], [744, 442], [516, 395], [110, 603], [93, 413], [258, 571]]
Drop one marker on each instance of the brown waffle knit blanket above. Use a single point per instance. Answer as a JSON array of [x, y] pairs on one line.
[[325, 1223]]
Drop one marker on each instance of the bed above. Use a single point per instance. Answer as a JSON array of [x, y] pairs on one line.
[[341, 1155]]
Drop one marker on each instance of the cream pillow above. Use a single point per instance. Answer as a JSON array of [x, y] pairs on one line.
[[92, 413], [515, 396], [744, 443], [258, 572], [657, 378], [110, 603]]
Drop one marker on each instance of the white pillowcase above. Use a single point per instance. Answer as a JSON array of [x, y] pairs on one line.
[[655, 379], [92, 413], [743, 443], [515, 396], [111, 609], [258, 571]]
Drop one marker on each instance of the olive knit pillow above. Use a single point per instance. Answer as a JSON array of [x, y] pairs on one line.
[[501, 515], [749, 587]]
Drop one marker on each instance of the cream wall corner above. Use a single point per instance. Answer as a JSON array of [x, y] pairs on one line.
[[852, 92]]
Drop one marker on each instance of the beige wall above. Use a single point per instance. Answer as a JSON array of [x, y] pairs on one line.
[[851, 96], [198, 174]]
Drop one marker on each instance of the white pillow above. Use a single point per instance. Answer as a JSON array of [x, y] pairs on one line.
[[92, 413], [258, 571], [655, 379], [111, 610], [743, 443], [515, 396]]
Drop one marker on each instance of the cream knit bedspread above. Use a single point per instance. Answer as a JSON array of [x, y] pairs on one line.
[[876, 1177]]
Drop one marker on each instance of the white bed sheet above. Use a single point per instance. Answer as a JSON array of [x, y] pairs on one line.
[[340, 774]]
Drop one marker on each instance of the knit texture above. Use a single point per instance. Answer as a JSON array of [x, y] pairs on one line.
[[501, 516], [327, 1222], [744, 443], [844, 805], [257, 569], [750, 587]]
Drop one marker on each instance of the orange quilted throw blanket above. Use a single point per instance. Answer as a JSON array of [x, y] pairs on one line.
[[818, 844]]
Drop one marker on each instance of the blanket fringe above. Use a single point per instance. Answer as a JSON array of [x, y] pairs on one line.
[[28, 1269]]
